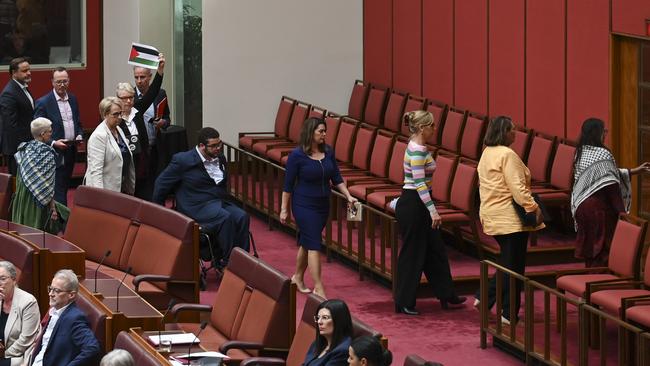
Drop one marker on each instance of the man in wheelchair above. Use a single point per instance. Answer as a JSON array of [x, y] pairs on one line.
[[198, 180]]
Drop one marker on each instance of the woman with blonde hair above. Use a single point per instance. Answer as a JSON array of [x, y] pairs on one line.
[[423, 249]]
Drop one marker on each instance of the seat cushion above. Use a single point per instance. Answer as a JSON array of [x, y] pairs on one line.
[[610, 300], [577, 284], [639, 314]]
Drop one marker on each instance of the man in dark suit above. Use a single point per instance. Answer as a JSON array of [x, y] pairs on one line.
[[61, 107], [199, 179], [66, 338], [17, 110]]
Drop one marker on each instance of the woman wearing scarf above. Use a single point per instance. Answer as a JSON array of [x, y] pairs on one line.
[[600, 192], [33, 203]]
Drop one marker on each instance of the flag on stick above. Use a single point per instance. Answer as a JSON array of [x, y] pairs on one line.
[[143, 56]]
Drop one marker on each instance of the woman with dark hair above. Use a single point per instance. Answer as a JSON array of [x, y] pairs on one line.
[[504, 178], [600, 192], [311, 168], [423, 249], [367, 351], [333, 335]]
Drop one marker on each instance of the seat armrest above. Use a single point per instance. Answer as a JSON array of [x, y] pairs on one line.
[[176, 309], [618, 283], [251, 133], [272, 361], [628, 302], [580, 271], [235, 344], [149, 278]]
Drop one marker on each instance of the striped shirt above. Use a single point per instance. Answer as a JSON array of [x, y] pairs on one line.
[[418, 169]]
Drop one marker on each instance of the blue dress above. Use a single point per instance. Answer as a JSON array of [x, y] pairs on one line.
[[309, 181]]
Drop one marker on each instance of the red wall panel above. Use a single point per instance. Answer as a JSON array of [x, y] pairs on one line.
[[628, 16], [407, 46], [470, 60], [545, 79], [438, 50], [506, 59], [587, 63], [378, 41], [85, 82]]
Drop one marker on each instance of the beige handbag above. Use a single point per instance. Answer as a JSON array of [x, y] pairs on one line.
[[355, 212]]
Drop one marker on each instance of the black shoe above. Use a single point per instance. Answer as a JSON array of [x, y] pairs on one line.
[[406, 310], [454, 300]]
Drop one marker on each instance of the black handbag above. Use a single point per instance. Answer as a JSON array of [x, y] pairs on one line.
[[529, 218]]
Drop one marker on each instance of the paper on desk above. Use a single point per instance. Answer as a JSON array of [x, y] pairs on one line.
[[179, 338], [202, 354]]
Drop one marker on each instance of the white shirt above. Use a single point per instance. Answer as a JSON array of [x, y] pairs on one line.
[[54, 317], [66, 116], [133, 129], [24, 88], [212, 166]]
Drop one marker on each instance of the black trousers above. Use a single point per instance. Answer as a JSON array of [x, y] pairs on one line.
[[423, 250], [513, 256], [12, 165], [64, 174]]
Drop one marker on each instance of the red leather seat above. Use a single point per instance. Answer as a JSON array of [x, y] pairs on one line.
[[282, 117]]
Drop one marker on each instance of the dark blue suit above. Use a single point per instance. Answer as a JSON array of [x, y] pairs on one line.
[[72, 342], [336, 357], [48, 107], [199, 197]]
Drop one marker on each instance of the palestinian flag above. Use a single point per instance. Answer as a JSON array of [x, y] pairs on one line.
[[144, 56]]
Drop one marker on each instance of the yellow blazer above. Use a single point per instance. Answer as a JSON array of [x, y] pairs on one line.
[[23, 326], [105, 162]]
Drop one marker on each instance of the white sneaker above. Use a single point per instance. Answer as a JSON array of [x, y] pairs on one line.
[[477, 302], [505, 321]]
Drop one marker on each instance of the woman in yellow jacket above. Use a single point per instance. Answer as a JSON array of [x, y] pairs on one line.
[[504, 178]]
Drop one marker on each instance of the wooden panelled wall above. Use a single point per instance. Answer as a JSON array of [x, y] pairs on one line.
[[546, 63]]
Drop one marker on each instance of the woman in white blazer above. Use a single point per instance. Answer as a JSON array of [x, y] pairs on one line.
[[21, 318], [110, 162]]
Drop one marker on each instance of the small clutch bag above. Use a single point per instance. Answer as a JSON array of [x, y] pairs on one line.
[[355, 212], [529, 218]]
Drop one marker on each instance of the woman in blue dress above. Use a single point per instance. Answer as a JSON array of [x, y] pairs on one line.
[[311, 170]]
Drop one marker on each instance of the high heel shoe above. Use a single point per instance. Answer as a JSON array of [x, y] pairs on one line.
[[300, 286], [406, 310], [454, 300]]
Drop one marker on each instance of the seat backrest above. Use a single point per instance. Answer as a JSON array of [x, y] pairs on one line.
[[142, 354], [305, 332], [396, 165], [562, 169], [452, 130], [283, 116], [358, 100], [415, 360], [394, 111], [627, 243], [5, 195], [539, 157], [439, 111], [463, 190], [443, 176], [374, 111], [472, 141], [381, 152], [363, 144], [298, 117], [316, 112], [96, 313], [332, 121], [345, 139], [23, 255], [521, 145], [413, 103]]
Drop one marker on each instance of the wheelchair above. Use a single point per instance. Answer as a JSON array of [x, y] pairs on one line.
[[211, 256]]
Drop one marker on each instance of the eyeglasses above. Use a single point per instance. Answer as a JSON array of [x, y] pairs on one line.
[[4, 278], [218, 145], [62, 82], [115, 114], [322, 317], [55, 290], [127, 98]]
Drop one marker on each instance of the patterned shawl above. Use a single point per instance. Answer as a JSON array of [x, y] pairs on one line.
[[595, 170], [37, 167]]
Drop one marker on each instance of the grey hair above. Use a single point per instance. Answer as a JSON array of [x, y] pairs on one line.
[[72, 282], [125, 87], [117, 357], [9, 267], [106, 103], [39, 125]]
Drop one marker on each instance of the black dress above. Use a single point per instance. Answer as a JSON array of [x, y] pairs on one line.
[[3, 323]]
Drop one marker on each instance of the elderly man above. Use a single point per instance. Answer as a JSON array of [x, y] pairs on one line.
[[16, 110], [61, 107], [66, 338]]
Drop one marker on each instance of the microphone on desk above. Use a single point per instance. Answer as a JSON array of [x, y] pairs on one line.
[[117, 295], [172, 302], [106, 255], [189, 350]]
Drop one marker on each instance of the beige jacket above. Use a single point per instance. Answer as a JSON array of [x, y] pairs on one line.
[[503, 177], [23, 326]]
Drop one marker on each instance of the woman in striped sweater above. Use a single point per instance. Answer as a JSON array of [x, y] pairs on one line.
[[423, 249]]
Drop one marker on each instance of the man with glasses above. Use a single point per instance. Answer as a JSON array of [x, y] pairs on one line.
[[61, 107], [198, 179], [66, 337]]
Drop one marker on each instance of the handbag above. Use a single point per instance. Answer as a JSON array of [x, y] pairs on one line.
[[355, 212], [529, 218]]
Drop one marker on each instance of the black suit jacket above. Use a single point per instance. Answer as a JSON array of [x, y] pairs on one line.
[[17, 113]]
